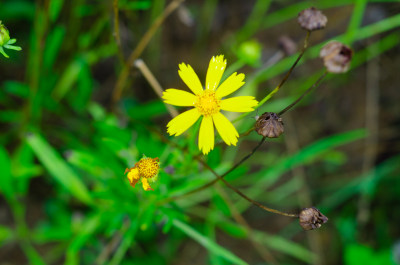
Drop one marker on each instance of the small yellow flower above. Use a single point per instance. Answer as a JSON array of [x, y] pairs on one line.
[[208, 103], [146, 169]]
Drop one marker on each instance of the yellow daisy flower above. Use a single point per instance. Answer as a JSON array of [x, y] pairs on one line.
[[208, 103], [146, 169]]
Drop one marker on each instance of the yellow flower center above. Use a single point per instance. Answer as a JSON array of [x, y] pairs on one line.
[[148, 167], [207, 103]]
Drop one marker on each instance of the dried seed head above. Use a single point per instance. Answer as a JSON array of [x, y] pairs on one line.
[[312, 19], [288, 46], [269, 125], [311, 218], [336, 56]]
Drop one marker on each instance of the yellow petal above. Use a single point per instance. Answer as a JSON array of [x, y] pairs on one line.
[[239, 104], [190, 78], [146, 185], [206, 135], [133, 173], [178, 97], [215, 70], [225, 129], [230, 85], [182, 122]]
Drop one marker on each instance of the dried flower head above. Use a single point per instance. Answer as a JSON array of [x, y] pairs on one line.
[[312, 19], [311, 218], [145, 170], [336, 56], [269, 125]]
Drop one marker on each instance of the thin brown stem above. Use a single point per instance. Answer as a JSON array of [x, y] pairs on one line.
[[123, 76], [244, 195], [276, 89], [264, 252], [229, 170], [305, 45], [218, 177], [316, 84]]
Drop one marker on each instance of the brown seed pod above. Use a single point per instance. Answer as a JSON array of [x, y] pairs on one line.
[[336, 56], [311, 218], [269, 125], [312, 19]]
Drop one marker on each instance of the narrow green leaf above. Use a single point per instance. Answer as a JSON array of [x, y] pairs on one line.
[[207, 243], [6, 186], [53, 44], [86, 231], [233, 229], [5, 234], [284, 246], [126, 243], [305, 155], [55, 7], [311, 152], [356, 19], [68, 79], [58, 168]]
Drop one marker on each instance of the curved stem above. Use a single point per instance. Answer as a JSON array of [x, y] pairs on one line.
[[218, 177], [276, 89], [231, 169]]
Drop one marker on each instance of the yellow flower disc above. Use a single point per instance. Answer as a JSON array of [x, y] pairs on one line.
[[148, 167], [207, 103]]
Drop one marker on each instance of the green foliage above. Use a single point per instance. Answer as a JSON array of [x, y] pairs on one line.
[[64, 143]]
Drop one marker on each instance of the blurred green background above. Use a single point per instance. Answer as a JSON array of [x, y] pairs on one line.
[[65, 142]]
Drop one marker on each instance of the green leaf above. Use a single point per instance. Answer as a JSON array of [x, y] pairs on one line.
[[87, 229], [16, 88], [58, 168], [207, 243], [284, 246], [233, 229], [55, 7], [5, 234], [68, 79], [356, 254], [6, 186], [53, 44], [306, 155], [221, 205]]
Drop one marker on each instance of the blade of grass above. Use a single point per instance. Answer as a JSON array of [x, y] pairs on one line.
[[306, 154], [285, 246], [58, 168], [207, 243], [6, 186], [355, 22]]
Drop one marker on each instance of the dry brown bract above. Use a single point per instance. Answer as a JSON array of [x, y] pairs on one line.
[[269, 125], [312, 19], [311, 218], [336, 56]]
